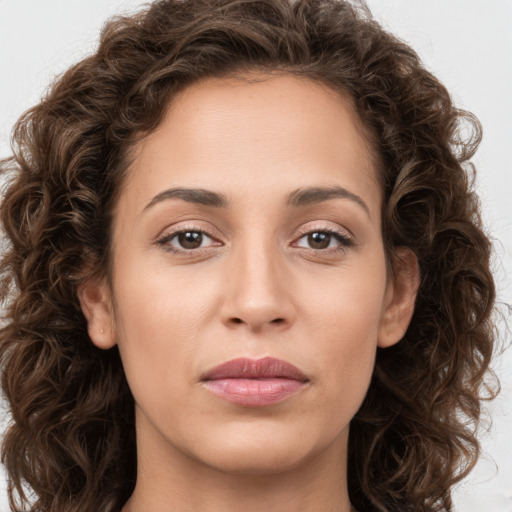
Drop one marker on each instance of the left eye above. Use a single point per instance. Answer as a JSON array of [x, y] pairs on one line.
[[186, 240], [320, 240]]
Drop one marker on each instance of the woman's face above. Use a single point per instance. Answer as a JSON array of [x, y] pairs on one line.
[[249, 227]]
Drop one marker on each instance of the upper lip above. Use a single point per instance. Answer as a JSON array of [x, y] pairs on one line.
[[246, 368]]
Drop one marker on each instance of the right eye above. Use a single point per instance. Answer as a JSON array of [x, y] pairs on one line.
[[186, 241]]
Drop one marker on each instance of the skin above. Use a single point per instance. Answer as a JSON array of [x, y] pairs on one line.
[[257, 286]]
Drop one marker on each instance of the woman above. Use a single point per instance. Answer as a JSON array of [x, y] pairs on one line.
[[245, 271]]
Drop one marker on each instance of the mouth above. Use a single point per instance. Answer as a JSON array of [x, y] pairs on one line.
[[255, 382]]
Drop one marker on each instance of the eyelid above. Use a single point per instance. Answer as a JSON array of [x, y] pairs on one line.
[[312, 228], [189, 225]]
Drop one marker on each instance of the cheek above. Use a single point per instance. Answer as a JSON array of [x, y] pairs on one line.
[[159, 320], [154, 303], [343, 319]]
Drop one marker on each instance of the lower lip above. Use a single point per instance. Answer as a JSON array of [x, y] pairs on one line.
[[254, 392]]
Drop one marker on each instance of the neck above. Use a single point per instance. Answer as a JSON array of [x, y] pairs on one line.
[[169, 480]]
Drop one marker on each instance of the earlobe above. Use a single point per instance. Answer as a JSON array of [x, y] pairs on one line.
[[95, 301], [400, 297]]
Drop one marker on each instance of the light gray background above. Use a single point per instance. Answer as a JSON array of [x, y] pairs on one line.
[[466, 43]]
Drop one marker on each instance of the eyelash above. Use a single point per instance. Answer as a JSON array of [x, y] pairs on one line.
[[341, 237]]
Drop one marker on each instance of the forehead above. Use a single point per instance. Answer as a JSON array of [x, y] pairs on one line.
[[279, 103], [241, 134]]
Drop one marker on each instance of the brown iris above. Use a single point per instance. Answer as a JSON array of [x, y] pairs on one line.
[[190, 239], [319, 240]]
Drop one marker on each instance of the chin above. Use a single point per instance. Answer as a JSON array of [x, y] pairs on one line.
[[255, 463], [259, 450]]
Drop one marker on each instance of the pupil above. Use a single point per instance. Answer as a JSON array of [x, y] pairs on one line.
[[190, 239], [319, 240]]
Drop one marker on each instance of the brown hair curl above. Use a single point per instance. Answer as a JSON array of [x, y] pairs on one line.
[[71, 442]]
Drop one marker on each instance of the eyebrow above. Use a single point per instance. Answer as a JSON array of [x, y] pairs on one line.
[[296, 199], [315, 195], [191, 195]]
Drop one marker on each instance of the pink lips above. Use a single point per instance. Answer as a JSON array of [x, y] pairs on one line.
[[255, 382]]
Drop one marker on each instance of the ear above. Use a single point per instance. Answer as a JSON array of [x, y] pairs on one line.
[[400, 297], [96, 304]]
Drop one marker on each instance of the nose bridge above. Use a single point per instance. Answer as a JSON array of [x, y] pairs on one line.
[[256, 291]]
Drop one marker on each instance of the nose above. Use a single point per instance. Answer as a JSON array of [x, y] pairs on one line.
[[258, 290]]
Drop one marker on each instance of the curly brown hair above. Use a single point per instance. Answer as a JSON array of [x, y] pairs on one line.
[[71, 442]]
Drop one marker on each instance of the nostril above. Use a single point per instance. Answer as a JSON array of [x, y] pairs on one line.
[[275, 321]]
